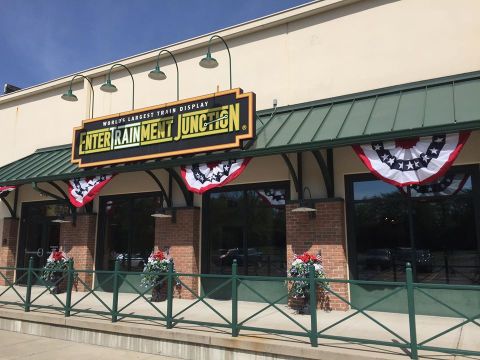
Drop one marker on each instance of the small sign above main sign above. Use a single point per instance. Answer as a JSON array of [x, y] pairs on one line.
[[207, 123]]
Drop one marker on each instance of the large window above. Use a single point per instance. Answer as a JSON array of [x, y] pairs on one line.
[[434, 227], [246, 224], [126, 230]]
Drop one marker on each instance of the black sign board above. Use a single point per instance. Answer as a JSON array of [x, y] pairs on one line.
[[207, 123]]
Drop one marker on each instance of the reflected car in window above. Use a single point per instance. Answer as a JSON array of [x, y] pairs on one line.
[[137, 261], [423, 258], [378, 258], [226, 257]]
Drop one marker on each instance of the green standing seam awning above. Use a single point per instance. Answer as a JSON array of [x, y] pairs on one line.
[[442, 105]]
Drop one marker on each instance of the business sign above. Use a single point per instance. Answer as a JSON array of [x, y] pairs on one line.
[[207, 123]]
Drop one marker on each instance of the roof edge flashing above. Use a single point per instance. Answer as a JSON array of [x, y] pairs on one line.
[[375, 92], [53, 148]]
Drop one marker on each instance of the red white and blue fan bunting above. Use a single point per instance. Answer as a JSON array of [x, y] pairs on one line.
[[413, 161], [273, 197], [202, 177], [449, 184], [5, 190], [83, 190]]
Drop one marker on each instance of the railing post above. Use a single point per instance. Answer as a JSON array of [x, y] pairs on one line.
[[68, 300], [170, 295], [313, 306], [411, 313], [116, 270], [28, 296], [234, 299]]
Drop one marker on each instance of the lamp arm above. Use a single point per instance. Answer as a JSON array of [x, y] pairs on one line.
[[133, 81], [228, 50], [309, 193], [176, 65], [91, 86]]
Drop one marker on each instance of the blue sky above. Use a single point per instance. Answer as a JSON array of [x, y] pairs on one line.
[[43, 40]]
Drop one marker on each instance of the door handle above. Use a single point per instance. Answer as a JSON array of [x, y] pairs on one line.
[[39, 252]]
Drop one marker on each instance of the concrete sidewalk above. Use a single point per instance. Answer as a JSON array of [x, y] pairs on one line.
[[22, 346], [464, 337]]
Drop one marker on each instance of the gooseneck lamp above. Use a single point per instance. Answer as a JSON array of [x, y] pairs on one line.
[[306, 205], [70, 96], [157, 74], [110, 88], [161, 211], [209, 62]]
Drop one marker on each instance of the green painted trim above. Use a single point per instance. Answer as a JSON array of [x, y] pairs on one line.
[[373, 93], [159, 164], [64, 170]]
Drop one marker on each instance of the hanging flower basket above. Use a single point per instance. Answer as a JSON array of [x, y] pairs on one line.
[[155, 272], [300, 290], [54, 271]]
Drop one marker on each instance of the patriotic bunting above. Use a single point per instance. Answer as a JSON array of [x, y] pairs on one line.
[[83, 190], [450, 184], [5, 190], [413, 161], [202, 177], [272, 197]]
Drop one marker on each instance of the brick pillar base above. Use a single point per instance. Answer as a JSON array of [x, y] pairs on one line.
[[325, 234], [8, 248], [79, 243], [182, 237]]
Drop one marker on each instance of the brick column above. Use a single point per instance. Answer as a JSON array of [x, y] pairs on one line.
[[79, 243], [325, 234], [8, 248], [183, 239]]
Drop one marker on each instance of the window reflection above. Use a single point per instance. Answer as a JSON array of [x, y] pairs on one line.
[[128, 231], [450, 184], [247, 226], [374, 189], [431, 226]]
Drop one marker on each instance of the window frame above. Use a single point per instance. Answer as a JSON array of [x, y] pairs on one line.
[[205, 243], [350, 179], [102, 220]]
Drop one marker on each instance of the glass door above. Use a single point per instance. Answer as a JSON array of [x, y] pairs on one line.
[[126, 233], [38, 234], [245, 224]]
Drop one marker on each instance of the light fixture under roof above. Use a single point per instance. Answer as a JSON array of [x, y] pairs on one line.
[[160, 214], [306, 205], [60, 219], [304, 209]]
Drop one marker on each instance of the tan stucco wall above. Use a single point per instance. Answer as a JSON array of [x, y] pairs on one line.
[[355, 47]]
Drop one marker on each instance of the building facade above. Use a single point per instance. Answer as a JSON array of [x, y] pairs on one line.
[[327, 76]]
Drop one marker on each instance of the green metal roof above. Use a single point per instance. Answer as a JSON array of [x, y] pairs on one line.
[[423, 108]]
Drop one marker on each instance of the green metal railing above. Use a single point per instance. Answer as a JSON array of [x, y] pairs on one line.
[[169, 317]]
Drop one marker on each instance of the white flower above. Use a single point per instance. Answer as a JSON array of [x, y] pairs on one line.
[[297, 262], [318, 267]]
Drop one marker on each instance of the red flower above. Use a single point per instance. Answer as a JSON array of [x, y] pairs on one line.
[[307, 258], [159, 255], [57, 255]]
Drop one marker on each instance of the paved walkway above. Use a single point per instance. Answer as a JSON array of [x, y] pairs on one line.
[[21, 346], [464, 337]]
